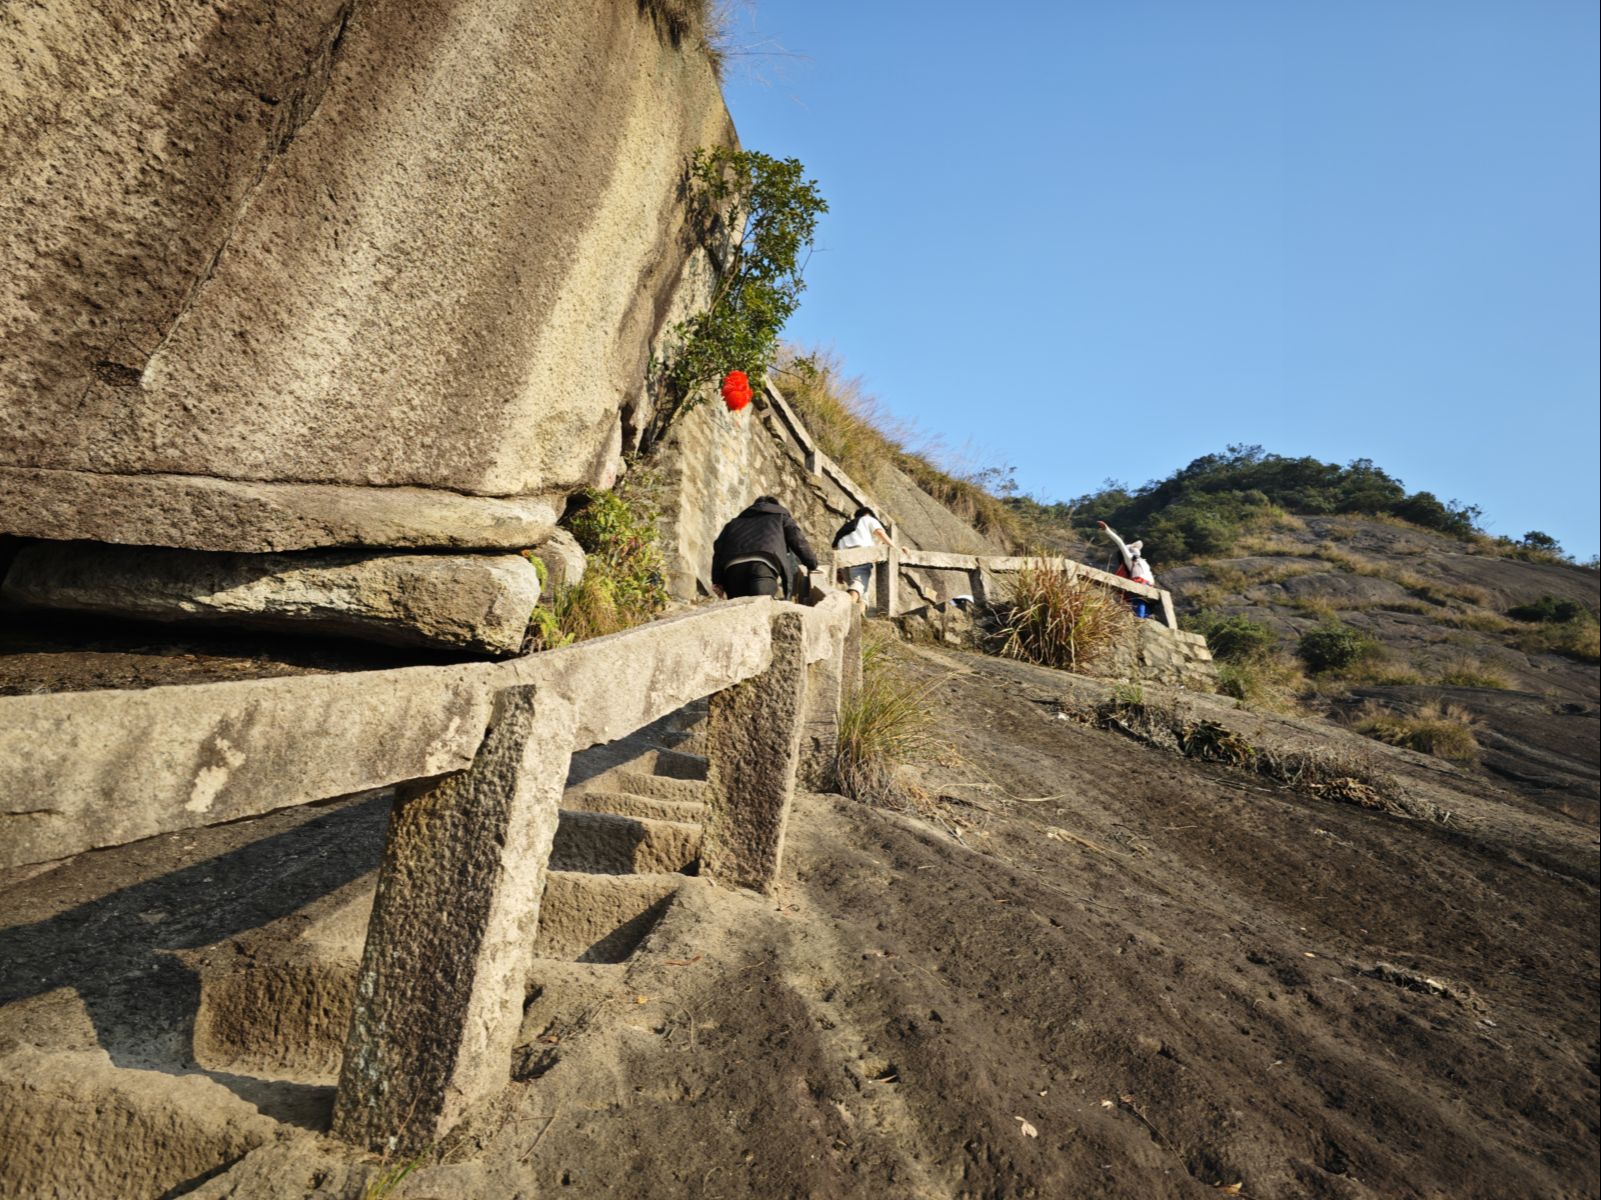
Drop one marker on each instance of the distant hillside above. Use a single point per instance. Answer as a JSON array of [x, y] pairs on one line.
[[1205, 508], [1417, 637], [1328, 589]]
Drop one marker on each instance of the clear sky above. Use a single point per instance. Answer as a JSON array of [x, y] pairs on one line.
[[1099, 238]]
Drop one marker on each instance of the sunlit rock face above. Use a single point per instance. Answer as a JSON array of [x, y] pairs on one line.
[[301, 244]]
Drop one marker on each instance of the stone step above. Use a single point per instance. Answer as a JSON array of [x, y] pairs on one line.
[[592, 770], [275, 1002], [692, 743], [76, 1125], [586, 918], [627, 804], [646, 785], [608, 843]]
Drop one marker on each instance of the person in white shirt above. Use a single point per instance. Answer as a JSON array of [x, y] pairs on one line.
[[861, 530], [1134, 567]]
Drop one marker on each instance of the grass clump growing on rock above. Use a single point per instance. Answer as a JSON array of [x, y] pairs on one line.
[[1250, 665], [1059, 619], [1578, 639], [1443, 730], [1470, 672], [884, 727], [625, 577]]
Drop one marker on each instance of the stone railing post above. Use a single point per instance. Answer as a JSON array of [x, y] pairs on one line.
[[439, 996], [889, 579], [829, 682], [1168, 616], [753, 738]]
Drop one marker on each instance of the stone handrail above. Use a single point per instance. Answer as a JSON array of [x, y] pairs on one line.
[[480, 754], [981, 567]]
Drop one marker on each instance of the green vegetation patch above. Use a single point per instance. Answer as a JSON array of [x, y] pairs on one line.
[[1204, 509], [1547, 610], [625, 576], [762, 213], [1334, 647]]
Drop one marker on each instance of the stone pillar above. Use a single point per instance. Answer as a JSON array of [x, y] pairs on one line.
[[753, 737], [1167, 610], [889, 580], [439, 996], [851, 671], [829, 682]]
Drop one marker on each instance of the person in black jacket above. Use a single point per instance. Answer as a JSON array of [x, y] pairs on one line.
[[752, 555]]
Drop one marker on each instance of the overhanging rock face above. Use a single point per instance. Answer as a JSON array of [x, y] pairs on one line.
[[380, 247], [476, 602]]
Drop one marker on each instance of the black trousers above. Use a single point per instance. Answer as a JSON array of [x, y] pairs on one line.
[[750, 579]]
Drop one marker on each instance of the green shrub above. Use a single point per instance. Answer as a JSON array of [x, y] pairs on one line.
[[625, 577], [1205, 507], [1235, 639], [1547, 609], [763, 211], [1334, 647], [1059, 619]]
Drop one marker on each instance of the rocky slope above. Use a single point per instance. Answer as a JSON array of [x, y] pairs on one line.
[[1436, 607], [1091, 966]]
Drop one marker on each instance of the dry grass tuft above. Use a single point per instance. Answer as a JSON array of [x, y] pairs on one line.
[[1471, 672], [1443, 730], [884, 728], [1058, 619], [1578, 639]]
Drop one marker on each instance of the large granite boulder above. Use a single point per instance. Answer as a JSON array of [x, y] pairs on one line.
[[377, 248], [474, 602]]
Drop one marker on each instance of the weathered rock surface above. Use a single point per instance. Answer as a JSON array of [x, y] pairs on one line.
[[563, 558], [227, 514], [88, 769], [479, 603], [378, 245]]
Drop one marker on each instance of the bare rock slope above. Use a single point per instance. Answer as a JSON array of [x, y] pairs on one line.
[[1437, 608], [1091, 966]]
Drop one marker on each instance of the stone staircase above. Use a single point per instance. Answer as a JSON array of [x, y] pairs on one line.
[[275, 1001]]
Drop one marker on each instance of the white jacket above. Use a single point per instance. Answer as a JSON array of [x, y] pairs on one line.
[[1133, 561]]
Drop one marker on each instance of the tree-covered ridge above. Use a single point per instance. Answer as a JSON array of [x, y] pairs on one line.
[[1204, 507]]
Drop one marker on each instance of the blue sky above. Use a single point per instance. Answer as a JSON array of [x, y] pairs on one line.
[[1094, 240]]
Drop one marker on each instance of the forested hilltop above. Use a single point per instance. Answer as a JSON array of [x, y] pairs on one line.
[[1206, 508]]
